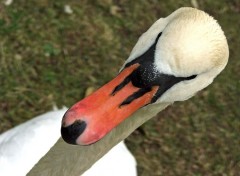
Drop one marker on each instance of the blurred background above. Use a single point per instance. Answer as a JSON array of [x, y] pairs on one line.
[[55, 52]]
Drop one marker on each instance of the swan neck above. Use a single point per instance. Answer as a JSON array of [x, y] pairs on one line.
[[64, 159]]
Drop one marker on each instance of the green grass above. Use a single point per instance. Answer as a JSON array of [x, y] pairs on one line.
[[48, 57]]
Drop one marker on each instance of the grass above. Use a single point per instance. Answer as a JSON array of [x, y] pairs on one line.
[[48, 57]]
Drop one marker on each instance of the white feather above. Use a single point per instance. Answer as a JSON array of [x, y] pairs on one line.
[[24, 145]]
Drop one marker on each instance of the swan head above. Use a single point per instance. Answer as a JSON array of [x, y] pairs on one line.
[[174, 59]]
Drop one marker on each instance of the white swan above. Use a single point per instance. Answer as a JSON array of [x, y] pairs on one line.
[[24, 145], [178, 56]]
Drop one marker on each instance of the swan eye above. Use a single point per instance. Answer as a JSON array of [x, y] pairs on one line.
[[191, 77]]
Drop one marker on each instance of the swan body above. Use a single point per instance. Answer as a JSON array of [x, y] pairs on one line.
[[118, 162], [174, 59], [24, 145]]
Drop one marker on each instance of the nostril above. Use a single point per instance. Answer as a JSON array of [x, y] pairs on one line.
[[72, 132]]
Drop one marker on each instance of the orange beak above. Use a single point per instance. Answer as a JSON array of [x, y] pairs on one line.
[[92, 118]]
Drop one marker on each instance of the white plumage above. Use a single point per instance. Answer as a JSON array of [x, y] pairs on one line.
[[24, 145]]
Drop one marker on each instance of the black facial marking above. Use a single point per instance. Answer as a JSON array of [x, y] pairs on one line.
[[135, 95], [147, 56], [121, 85], [167, 81], [146, 76]]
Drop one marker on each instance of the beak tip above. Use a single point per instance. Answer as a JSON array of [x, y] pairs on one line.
[[71, 133]]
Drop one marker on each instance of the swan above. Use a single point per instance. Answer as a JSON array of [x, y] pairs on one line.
[[22, 146], [175, 58]]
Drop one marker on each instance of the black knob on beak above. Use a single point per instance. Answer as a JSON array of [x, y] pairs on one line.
[[72, 132]]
